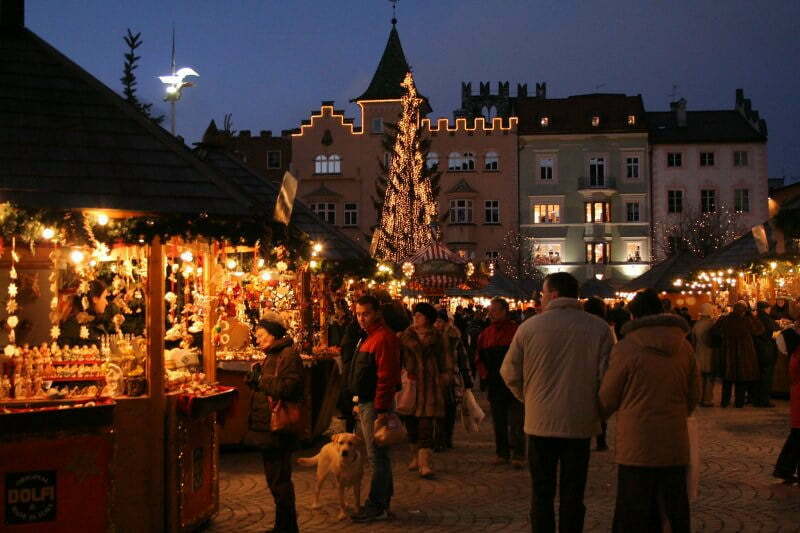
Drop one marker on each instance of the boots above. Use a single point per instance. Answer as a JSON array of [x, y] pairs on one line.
[[425, 458], [413, 465]]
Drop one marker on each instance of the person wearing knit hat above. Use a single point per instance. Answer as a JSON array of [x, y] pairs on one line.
[[704, 352]]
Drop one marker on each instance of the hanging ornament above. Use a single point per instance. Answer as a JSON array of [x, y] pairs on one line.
[[12, 290], [55, 332], [84, 333], [11, 307]]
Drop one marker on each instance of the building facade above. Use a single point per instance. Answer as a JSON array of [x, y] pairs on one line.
[[266, 154], [704, 161], [583, 185]]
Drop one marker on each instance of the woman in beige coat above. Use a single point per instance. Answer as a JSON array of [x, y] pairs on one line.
[[653, 384], [704, 352]]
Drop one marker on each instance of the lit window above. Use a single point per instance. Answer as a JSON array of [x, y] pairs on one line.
[[739, 158], [334, 164], [595, 121], [432, 159], [741, 200], [597, 172], [546, 214], [321, 164], [598, 212], [455, 161], [544, 121], [674, 201], [632, 211], [492, 255], [491, 211], [632, 167], [674, 159], [377, 125], [326, 211], [492, 161], [547, 254], [634, 254], [706, 159], [273, 159], [631, 120], [460, 211], [546, 168], [708, 200], [597, 252], [327, 165], [351, 214]]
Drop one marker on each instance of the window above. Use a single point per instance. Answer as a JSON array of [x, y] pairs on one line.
[[327, 165], [454, 161], [377, 125], [546, 214], [432, 159], [460, 211], [597, 252], [674, 201], [741, 200], [739, 158], [598, 212], [351, 214], [634, 254], [632, 167], [326, 211], [706, 159], [632, 211], [547, 254], [492, 161], [492, 255], [597, 171], [544, 121], [595, 121], [631, 120], [708, 200], [273, 159], [546, 168], [491, 211], [469, 161], [674, 159]]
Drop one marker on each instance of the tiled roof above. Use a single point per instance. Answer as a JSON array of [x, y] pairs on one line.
[[574, 114], [338, 246], [461, 186], [661, 275], [68, 141], [702, 126]]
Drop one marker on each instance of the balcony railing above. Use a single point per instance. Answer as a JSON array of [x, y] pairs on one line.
[[606, 182]]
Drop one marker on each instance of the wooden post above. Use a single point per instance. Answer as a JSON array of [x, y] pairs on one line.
[[210, 268]]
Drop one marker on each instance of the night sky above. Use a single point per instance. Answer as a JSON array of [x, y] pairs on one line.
[[270, 63]]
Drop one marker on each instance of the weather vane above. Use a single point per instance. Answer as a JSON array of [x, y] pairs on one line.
[[175, 82], [394, 10]]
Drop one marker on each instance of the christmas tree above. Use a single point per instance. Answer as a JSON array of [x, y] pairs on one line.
[[408, 189]]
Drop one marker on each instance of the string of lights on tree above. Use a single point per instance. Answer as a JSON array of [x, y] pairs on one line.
[[702, 234]]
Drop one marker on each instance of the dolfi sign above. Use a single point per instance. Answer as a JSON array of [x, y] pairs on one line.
[[30, 497]]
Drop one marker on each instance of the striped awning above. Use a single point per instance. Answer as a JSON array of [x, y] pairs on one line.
[[436, 251]]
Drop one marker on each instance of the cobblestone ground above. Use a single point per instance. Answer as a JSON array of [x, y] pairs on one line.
[[737, 493]]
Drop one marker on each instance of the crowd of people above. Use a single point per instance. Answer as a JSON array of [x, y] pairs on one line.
[[553, 375]]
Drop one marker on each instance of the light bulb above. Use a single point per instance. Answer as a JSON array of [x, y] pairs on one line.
[[48, 233], [187, 256], [76, 256], [266, 275], [231, 264], [102, 219]]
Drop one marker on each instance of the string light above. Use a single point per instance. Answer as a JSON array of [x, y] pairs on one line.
[[48, 233], [76, 256]]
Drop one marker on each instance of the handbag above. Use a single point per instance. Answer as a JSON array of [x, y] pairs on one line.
[[406, 399], [390, 431], [285, 416]]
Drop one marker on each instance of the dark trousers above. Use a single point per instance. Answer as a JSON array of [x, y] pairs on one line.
[[644, 494], [278, 471], [740, 389], [445, 427], [788, 465], [764, 391], [507, 418], [420, 430], [545, 454]]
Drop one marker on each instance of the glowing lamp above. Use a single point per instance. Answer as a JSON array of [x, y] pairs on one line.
[[314, 264], [773, 265], [102, 219], [76, 256], [187, 256], [231, 264], [599, 276], [317, 247], [48, 233], [265, 275]]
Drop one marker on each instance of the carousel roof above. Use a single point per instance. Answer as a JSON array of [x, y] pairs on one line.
[[68, 141], [436, 251]]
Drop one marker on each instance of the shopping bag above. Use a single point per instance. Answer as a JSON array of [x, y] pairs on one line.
[[406, 398], [286, 417], [693, 471], [471, 413], [389, 431]]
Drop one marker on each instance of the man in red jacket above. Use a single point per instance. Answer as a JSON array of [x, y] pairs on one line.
[[507, 411], [374, 378]]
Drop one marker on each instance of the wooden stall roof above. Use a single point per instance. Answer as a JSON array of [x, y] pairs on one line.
[[338, 246], [68, 141], [661, 275]]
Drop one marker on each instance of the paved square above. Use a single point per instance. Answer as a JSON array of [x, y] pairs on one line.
[[737, 492]]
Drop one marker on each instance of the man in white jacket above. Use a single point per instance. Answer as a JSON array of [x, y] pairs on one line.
[[554, 366]]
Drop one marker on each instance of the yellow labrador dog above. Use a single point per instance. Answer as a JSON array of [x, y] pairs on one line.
[[343, 457]]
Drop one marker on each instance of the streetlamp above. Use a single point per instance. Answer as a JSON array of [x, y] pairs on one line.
[[175, 83]]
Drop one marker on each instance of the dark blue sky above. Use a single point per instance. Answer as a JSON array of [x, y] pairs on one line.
[[271, 62]]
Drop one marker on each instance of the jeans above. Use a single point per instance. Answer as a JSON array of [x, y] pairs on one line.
[[278, 471], [544, 456], [381, 487], [508, 415], [644, 494], [788, 465]]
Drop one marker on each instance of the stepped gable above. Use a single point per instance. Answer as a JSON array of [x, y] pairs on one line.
[[68, 141]]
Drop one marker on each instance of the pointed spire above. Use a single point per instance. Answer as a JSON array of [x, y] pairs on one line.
[[391, 71]]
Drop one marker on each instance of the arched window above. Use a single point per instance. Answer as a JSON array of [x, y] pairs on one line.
[[485, 112], [468, 162], [432, 159], [334, 164], [492, 161], [455, 161], [320, 164], [492, 112]]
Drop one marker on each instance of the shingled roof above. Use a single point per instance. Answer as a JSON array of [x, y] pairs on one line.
[[574, 114], [68, 141], [338, 246], [702, 126]]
